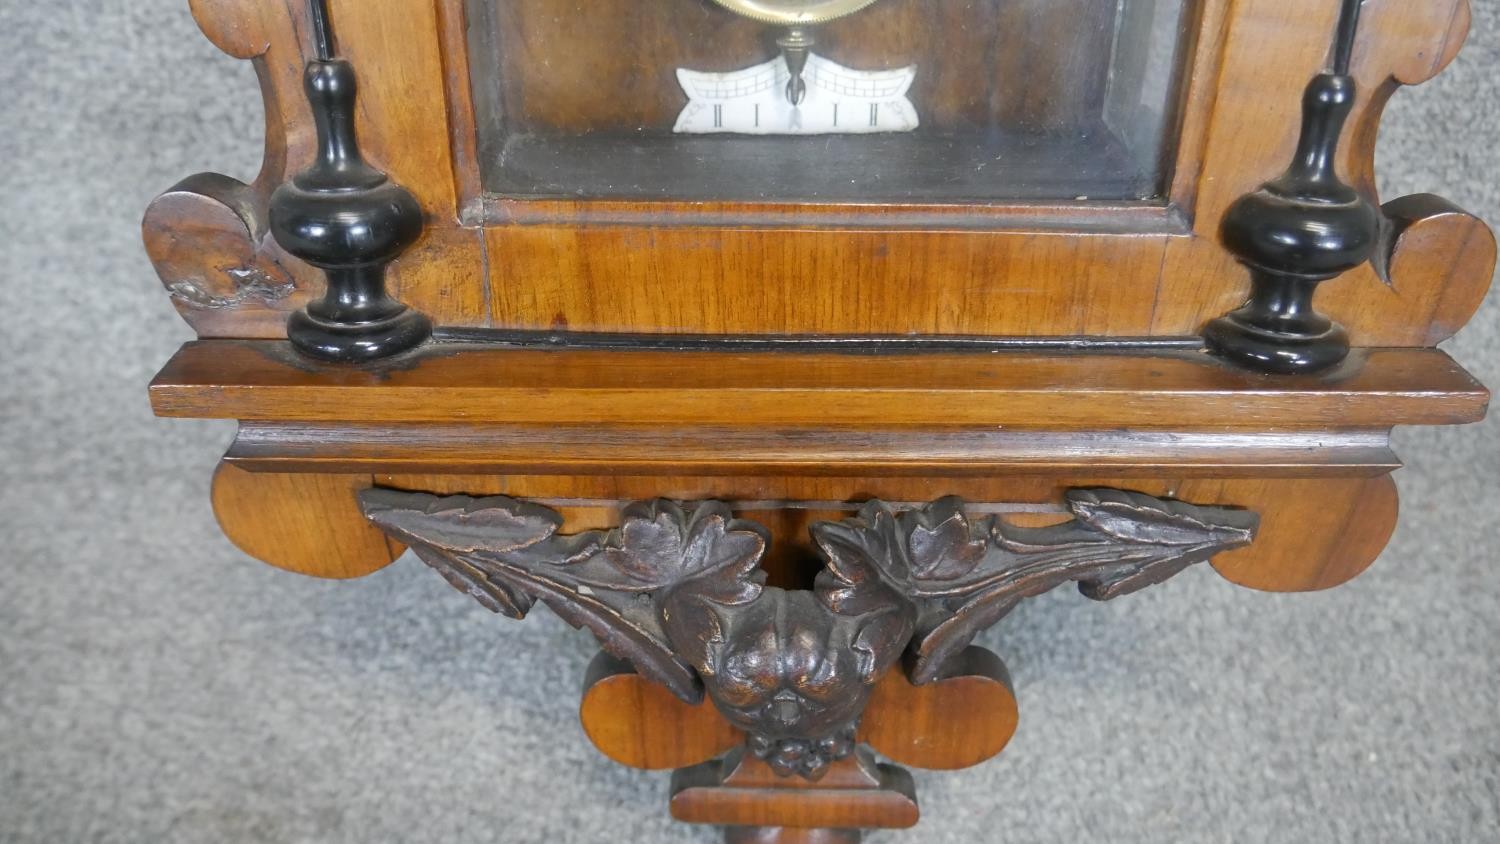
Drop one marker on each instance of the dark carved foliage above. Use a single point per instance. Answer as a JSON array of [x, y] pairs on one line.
[[507, 554], [678, 591], [965, 575]]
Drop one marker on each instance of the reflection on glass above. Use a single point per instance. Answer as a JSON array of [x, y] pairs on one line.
[[905, 100]]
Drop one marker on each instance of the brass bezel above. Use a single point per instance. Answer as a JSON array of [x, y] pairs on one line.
[[794, 12]]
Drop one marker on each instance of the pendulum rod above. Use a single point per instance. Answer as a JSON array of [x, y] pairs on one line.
[[322, 33]]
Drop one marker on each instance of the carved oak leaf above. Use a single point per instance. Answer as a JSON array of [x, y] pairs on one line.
[[865, 563], [470, 525], [677, 591], [1134, 517], [506, 554], [715, 565], [1198, 533], [965, 577], [941, 542], [494, 595], [649, 543], [660, 545], [865, 577], [497, 524]]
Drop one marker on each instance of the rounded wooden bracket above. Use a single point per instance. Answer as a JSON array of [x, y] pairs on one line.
[[307, 523], [1436, 260], [1315, 534], [1400, 43], [966, 717], [640, 724]]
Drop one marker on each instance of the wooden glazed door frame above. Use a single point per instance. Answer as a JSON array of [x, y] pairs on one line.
[[746, 269]]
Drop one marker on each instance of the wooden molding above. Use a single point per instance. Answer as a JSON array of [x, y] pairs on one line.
[[457, 384], [740, 790], [819, 452]]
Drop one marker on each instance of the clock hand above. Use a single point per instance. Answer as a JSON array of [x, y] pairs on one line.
[[795, 45]]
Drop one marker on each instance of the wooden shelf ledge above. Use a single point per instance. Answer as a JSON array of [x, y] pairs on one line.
[[1059, 391]]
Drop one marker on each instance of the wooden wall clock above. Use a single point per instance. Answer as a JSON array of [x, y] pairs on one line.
[[786, 345]]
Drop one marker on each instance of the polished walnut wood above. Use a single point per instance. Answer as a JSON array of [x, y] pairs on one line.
[[742, 791], [307, 523], [964, 717], [798, 361], [641, 724], [1374, 389]]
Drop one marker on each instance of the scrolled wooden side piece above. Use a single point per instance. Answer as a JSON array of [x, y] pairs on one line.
[[1433, 256], [208, 236], [1430, 244]]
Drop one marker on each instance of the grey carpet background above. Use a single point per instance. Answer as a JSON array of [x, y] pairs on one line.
[[157, 686]]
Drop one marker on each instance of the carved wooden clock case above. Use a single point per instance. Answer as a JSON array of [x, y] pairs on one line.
[[786, 345]]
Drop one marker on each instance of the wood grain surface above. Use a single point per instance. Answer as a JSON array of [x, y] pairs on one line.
[[640, 724], [743, 791], [267, 381], [963, 719], [309, 524]]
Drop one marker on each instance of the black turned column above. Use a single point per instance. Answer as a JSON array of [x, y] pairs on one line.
[[1296, 232], [346, 218]]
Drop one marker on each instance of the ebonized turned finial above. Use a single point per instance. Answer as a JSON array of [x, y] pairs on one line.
[[348, 219], [1295, 232]]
